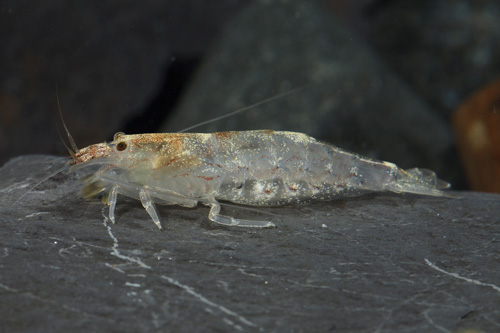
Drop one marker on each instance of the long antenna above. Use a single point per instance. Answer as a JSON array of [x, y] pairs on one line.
[[65, 167], [267, 100]]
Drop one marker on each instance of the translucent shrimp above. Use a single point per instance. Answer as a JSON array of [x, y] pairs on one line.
[[256, 168]]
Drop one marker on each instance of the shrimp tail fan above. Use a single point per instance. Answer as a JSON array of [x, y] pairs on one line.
[[418, 181]]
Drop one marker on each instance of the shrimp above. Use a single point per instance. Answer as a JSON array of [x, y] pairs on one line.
[[254, 168]]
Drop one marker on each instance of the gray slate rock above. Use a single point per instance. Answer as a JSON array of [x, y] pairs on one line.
[[377, 262], [352, 100]]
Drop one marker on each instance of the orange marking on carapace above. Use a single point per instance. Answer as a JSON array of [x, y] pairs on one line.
[[171, 161], [205, 178], [225, 135]]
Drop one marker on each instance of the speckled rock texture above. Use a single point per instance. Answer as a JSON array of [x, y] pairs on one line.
[[380, 262]]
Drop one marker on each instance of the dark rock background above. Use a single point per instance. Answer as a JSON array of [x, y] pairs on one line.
[[445, 49], [109, 60], [351, 98]]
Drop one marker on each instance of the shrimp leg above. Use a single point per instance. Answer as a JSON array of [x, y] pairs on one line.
[[214, 216], [149, 206], [112, 203]]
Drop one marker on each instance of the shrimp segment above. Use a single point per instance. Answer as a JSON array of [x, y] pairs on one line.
[[148, 205], [256, 168]]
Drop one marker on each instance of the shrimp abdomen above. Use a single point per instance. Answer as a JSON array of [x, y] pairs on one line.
[[288, 167]]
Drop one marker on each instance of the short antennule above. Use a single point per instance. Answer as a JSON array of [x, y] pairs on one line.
[[71, 152], [70, 138]]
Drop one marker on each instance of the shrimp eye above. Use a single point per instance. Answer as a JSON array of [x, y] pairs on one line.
[[120, 146]]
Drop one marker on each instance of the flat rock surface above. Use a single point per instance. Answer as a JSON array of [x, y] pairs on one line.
[[379, 262]]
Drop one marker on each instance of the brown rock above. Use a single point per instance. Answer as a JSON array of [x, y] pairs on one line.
[[477, 127]]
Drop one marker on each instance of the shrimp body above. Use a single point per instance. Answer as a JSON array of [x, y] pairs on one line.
[[256, 168]]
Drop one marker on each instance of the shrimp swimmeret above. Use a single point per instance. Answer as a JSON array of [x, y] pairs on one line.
[[256, 168]]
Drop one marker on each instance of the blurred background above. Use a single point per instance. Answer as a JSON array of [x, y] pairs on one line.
[[396, 80]]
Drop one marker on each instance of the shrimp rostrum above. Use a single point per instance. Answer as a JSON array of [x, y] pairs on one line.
[[255, 168]]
